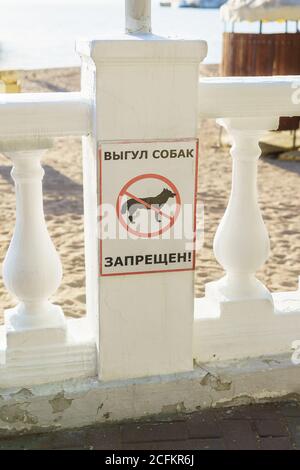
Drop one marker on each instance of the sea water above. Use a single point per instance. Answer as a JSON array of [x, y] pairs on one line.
[[42, 33]]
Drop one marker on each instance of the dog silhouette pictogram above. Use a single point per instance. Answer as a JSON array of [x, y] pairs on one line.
[[131, 206]]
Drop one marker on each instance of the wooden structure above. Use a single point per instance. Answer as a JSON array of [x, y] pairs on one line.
[[250, 54], [247, 54]]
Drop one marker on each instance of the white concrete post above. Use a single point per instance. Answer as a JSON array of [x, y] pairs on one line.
[[137, 86], [32, 269], [237, 318], [138, 16]]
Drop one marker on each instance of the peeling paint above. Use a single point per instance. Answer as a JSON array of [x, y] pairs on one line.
[[16, 414], [211, 385], [244, 399], [174, 408], [59, 403], [216, 383]]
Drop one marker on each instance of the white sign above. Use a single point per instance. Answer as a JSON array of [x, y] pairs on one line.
[[147, 206]]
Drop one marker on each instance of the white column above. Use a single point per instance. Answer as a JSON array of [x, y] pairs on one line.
[[138, 16], [32, 269], [241, 243], [144, 322]]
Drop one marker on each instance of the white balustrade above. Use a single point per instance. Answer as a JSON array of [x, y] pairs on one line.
[[238, 317], [121, 100]]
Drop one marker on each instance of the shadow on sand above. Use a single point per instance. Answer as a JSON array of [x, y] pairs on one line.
[[61, 194]]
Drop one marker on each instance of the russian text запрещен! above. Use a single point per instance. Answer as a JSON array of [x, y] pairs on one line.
[[155, 259]]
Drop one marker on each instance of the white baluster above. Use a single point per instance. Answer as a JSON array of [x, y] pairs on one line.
[[241, 243], [32, 269], [138, 16], [237, 318]]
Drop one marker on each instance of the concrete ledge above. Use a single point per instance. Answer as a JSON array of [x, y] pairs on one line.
[[57, 354], [77, 403], [232, 330]]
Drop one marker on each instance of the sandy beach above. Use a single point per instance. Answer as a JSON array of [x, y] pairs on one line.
[[278, 192]]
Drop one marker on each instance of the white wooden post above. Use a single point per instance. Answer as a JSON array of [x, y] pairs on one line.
[[138, 16], [237, 318], [32, 269], [142, 89]]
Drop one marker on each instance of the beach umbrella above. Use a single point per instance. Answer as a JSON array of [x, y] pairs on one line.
[[260, 10]]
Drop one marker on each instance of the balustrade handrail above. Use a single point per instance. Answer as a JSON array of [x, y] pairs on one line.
[[44, 114], [69, 113], [245, 97]]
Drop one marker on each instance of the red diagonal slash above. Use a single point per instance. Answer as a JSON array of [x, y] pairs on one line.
[[148, 205]]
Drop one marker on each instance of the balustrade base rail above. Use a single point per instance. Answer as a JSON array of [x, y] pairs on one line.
[[77, 403], [29, 360], [229, 330]]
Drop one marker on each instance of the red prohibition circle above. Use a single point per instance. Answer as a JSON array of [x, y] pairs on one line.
[[124, 191]]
